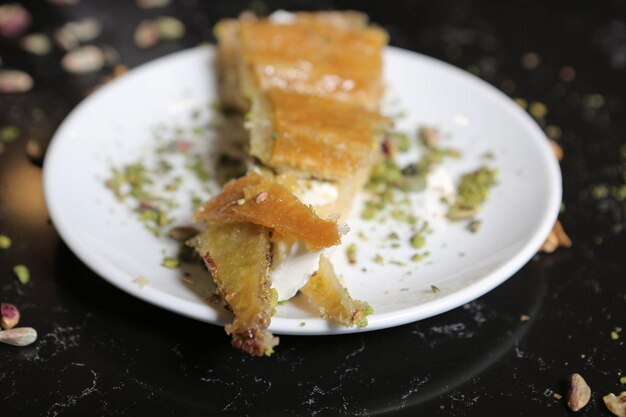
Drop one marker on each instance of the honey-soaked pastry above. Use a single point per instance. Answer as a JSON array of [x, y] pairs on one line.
[[310, 86]]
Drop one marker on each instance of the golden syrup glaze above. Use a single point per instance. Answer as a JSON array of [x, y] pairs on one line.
[[262, 201], [323, 137], [313, 56]]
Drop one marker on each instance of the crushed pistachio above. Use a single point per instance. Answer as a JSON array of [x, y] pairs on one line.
[[622, 380], [614, 335], [474, 225], [417, 257], [472, 192], [302, 324], [22, 273], [418, 240], [378, 259], [9, 134], [435, 289], [171, 263], [5, 242], [351, 251], [196, 166], [241, 201]]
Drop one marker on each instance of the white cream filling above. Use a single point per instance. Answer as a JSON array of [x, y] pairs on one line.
[[316, 192], [297, 267], [294, 272]]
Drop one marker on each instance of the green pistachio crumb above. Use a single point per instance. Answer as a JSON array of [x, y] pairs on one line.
[[622, 380], [368, 213], [474, 225], [5, 242], [417, 257], [418, 241], [351, 251], [22, 273], [614, 335], [472, 192], [302, 324], [171, 263], [434, 289], [241, 201], [378, 259], [9, 134]]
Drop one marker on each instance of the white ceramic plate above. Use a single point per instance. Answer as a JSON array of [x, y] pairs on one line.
[[114, 126]]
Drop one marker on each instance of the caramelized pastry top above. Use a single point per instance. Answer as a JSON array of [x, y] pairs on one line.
[[316, 56], [320, 136]]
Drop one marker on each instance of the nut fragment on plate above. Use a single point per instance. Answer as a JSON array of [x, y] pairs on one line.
[[579, 393], [15, 81], [616, 404], [557, 238]]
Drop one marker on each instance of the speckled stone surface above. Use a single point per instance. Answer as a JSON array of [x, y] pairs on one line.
[[102, 352]]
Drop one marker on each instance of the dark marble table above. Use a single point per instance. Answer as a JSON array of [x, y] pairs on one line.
[[103, 352]]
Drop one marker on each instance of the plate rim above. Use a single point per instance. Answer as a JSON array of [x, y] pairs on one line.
[[316, 326]]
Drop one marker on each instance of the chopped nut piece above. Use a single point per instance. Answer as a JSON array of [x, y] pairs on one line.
[[556, 148], [15, 81], [616, 404], [435, 289], [524, 317], [34, 151], [20, 336], [14, 20], [557, 238], [473, 190], [22, 273], [141, 282], [146, 34], [170, 28], [36, 43], [578, 394], [183, 233], [351, 253], [83, 60], [70, 35], [9, 316], [170, 262], [5, 242], [474, 225], [538, 110], [9, 134], [429, 136]]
